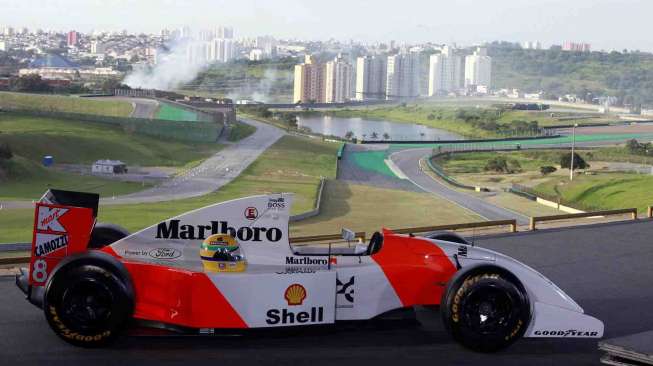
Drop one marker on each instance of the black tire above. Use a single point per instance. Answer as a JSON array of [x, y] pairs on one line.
[[87, 305], [106, 234], [485, 311]]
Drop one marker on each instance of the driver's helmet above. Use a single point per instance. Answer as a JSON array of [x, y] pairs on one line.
[[221, 253]]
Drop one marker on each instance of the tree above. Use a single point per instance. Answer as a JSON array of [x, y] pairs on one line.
[[290, 119], [498, 164], [386, 136], [30, 83], [579, 162], [546, 170], [513, 166], [349, 135], [374, 135], [5, 152]]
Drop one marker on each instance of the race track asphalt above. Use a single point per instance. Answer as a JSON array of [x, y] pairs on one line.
[[408, 162], [606, 268], [212, 173]]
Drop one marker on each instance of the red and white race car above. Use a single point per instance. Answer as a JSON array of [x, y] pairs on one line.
[[230, 266]]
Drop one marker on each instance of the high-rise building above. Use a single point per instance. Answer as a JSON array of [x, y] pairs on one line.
[[72, 38], [371, 74], [531, 45], [338, 76], [478, 69], [224, 32], [221, 49], [446, 73], [309, 82], [98, 48], [8, 31], [576, 47], [267, 44], [184, 32], [402, 77]]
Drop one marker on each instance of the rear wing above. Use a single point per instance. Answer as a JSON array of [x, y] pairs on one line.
[[63, 221]]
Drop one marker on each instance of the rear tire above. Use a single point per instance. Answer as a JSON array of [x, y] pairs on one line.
[[87, 305], [485, 311]]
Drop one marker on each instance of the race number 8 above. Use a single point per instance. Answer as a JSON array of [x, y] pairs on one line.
[[39, 272]]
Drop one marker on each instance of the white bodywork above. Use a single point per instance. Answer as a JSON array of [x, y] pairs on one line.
[[345, 287]]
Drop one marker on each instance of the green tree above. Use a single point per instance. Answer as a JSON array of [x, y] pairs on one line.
[[579, 162], [546, 170]]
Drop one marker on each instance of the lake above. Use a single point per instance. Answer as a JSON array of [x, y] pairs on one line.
[[364, 128]]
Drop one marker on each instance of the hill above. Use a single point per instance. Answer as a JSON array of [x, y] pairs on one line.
[[65, 104], [628, 76], [79, 142]]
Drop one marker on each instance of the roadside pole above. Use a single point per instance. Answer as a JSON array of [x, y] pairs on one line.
[[573, 143]]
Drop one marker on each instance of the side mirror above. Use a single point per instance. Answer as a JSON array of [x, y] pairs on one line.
[[348, 235]]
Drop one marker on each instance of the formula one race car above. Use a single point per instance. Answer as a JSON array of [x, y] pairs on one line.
[[230, 266]]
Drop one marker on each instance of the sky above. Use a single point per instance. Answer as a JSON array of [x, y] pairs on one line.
[[606, 24]]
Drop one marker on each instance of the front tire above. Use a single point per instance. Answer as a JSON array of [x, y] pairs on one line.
[[87, 305], [486, 311]]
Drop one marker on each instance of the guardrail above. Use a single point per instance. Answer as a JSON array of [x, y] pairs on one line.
[[535, 220], [14, 260], [470, 225]]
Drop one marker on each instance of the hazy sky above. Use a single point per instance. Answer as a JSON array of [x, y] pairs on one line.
[[606, 24]]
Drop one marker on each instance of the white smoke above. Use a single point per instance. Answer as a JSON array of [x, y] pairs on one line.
[[260, 91], [171, 70]]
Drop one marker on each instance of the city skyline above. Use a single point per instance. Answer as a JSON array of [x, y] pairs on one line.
[[466, 22]]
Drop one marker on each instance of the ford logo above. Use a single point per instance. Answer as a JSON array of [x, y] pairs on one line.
[[165, 253]]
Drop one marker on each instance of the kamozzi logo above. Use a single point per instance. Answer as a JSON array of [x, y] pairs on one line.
[[173, 230]]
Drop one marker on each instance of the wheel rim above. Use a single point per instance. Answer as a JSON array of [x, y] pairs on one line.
[[86, 305], [489, 310]]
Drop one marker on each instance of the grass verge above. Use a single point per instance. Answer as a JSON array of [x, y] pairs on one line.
[[78, 142], [239, 131], [65, 104], [365, 208], [292, 164]]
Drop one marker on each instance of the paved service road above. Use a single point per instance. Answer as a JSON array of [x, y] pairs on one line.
[[605, 268], [213, 172], [408, 162], [143, 108]]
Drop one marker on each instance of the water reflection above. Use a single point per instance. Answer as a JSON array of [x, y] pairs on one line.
[[368, 129]]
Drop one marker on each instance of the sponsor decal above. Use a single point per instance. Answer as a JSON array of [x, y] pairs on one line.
[[293, 270], [174, 230], [165, 253], [48, 219], [276, 203], [48, 243], [566, 333], [251, 213], [345, 291], [295, 294], [306, 260]]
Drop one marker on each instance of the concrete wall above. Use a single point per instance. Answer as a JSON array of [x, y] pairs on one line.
[[316, 210]]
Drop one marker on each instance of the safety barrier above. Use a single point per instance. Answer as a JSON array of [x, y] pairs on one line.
[[535, 220], [470, 225], [316, 210]]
